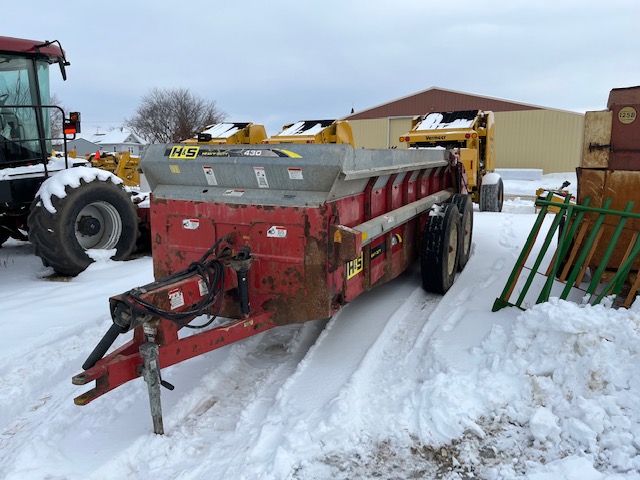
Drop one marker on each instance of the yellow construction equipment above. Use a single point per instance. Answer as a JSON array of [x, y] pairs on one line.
[[228, 133], [121, 164], [314, 131], [472, 133], [559, 194]]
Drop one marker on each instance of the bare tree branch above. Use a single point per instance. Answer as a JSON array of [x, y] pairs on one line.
[[56, 118], [172, 115]]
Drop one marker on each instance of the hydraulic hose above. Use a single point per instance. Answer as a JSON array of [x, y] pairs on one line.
[[103, 346]]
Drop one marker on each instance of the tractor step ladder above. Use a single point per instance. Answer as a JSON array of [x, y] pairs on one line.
[[580, 232]]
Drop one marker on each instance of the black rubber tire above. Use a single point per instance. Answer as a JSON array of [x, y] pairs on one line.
[[465, 208], [492, 196], [439, 249], [57, 238], [12, 227], [4, 236]]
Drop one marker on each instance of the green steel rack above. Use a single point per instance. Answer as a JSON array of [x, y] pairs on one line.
[[580, 230]]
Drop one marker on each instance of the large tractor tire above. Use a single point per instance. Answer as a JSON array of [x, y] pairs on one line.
[[491, 193], [465, 208], [439, 249], [96, 214]]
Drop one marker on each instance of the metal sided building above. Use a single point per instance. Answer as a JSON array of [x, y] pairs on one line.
[[527, 136]]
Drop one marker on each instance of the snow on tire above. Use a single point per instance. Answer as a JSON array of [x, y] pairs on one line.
[[465, 208], [439, 249], [491, 193], [94, 214]]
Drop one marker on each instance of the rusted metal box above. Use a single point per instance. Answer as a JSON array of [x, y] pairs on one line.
[[624, 104], [612, 137], [621, 186], [610, 168]]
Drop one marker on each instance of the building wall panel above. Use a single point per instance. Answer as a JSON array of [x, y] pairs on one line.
[[546, 139], [371, 133], [398, 126]]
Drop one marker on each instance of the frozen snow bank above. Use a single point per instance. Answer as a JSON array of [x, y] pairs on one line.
[[577, 367], [514, 187]]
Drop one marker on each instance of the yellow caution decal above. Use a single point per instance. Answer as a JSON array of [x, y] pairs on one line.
[[288, 153]]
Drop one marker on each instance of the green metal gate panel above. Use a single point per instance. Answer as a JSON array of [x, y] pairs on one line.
[[580, 231]]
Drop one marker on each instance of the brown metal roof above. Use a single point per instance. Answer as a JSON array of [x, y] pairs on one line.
[[439, 100]]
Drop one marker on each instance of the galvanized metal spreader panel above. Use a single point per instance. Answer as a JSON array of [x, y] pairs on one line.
[[294, 175]]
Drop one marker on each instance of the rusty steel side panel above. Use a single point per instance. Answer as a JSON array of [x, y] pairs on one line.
[[289, 246], [625, 137], [624, 104], [621, 186], [622, 95]]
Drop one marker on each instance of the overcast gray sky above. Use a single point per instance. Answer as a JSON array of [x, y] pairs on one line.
[[277, 61]]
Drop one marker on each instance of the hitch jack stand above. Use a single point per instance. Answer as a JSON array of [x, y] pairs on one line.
[[151, 375]]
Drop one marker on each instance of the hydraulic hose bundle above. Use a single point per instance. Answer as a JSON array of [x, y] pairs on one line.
[[132, 308]]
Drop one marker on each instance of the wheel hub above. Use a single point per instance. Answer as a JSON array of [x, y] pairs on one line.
[[98, 225], [89, 226]]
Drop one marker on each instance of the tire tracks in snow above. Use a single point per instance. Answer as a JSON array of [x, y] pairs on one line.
[[399, 374], [458, 332], [329, 381], [272, 391], [36, 400], [253, 403], [223, 409]]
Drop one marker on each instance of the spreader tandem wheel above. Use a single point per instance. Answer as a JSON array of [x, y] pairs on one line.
[[439, 249], [95, 215], [465, 208], [491, 193]]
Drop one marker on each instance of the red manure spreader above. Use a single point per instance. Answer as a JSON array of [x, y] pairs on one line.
[[249, 237]]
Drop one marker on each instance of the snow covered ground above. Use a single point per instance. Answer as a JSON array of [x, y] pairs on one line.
[[400, 384]]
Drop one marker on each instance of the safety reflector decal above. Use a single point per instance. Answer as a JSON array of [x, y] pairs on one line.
[[176, 298], [295, 173], [209, 175], [277, 232], [190, 223], [261, 177]]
